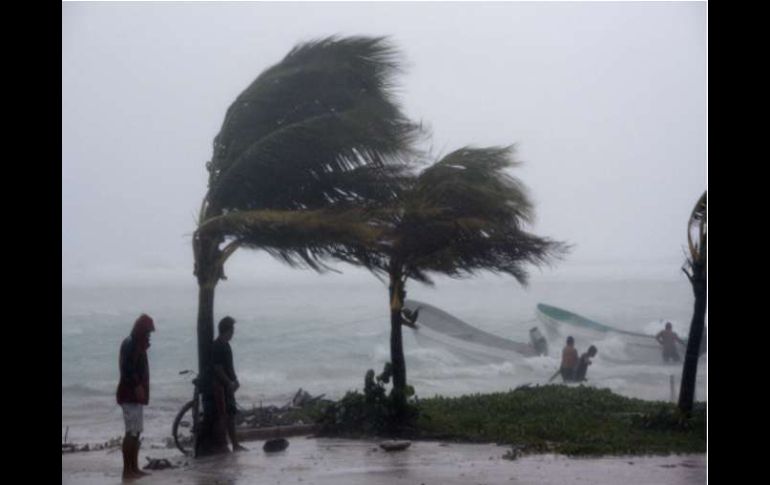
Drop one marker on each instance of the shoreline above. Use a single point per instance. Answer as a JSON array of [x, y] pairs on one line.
[[337, 461], [572, 421]]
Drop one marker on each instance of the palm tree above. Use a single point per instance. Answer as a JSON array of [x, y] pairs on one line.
[[302, 152], [697, 274], [459, 216]]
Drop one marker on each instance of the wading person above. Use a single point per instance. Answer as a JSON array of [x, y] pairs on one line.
[[569, 360], [134, 391], [583, 363], [225, 382], [668, 339]]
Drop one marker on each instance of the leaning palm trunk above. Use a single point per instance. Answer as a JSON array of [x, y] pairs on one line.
[[397, 359], [212, 436], [696, 238], [689, 372], [205, 325]]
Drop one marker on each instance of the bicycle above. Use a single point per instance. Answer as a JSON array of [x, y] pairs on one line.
[[187, 422]]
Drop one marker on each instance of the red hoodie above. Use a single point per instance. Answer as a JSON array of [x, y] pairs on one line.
[[134, 367]]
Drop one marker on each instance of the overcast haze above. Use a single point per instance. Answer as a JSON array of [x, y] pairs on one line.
[[606, 103]]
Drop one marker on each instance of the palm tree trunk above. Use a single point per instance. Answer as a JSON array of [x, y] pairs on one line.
[[205, 326], [397, 351], [690, 369], [212, 436], [397, 359]]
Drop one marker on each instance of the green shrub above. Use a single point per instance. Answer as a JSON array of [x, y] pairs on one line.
[[375, 412]]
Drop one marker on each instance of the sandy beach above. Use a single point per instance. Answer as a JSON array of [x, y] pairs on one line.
[[310, 461]]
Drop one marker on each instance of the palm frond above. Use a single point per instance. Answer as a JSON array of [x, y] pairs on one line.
[[462, 215], [324, 110], [474, 181], [291, 228], [697, 230]]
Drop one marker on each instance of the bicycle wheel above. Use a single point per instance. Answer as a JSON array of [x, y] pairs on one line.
[[183, 429]]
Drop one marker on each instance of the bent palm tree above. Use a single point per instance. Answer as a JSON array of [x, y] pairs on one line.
[[697, 274], [302, 151], [461, 215]]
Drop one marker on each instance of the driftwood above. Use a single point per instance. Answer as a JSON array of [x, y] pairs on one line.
[[251, 434], [273, 422], [269, 416], [74, 447], [157, 464], [393, 445]]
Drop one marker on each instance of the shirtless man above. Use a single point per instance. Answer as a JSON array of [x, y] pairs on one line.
[[668, 339], [569, 360]]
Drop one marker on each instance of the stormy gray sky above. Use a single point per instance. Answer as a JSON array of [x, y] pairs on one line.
[[606, 103]]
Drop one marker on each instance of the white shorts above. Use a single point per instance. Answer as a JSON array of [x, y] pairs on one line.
[[132, 415]]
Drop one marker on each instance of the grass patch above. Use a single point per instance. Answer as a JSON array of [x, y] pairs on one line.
[[541, 419], [568, 420]]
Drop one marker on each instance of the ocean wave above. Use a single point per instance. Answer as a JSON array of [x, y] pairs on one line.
[[84, 390], [478, 371], [71, 330], [261, 378]]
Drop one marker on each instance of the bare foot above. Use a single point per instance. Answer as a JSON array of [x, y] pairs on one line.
[[131, 476], [134, 475]]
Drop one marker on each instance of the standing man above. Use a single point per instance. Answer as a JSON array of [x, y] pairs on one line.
[[569, 360], [134, 391], [668, 339], [225, 382]]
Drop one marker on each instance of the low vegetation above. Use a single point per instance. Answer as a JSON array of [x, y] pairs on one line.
[[542, 419]]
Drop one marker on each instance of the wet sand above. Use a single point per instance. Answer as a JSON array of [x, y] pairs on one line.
[[316, 461]]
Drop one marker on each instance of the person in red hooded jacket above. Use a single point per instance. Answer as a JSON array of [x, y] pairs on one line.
[[134, 391]]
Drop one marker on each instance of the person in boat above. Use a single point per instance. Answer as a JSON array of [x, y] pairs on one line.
[[584, 362], [569, 360], [668, 339]]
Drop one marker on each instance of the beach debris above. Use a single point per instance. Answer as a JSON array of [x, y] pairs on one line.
[[515, 452], [74, 447], [267, 416], [300, 398], [274, 445], [395, 445], [157, 464]]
